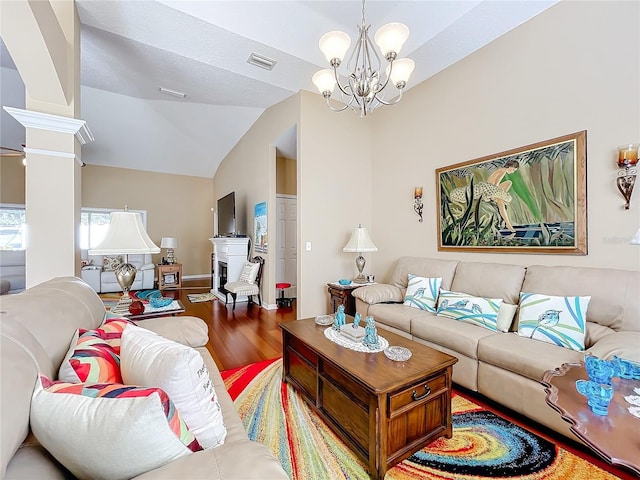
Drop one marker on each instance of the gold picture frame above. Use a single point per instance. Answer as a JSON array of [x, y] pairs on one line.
[[531, 199]]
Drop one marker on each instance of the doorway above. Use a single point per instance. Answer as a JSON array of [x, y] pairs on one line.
[[286, 242]]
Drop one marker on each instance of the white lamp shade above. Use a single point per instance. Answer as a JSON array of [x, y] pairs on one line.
[[169, 242], [401, 71], [636, 239], [360, 241], [334, 45], [324, 80], [391, 37], [126, 235]]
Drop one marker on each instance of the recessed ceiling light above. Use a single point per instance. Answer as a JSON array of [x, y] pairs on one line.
[[261, 61], [173, 93]]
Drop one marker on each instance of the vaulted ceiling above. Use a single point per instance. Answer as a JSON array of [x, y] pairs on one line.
[[132, 48]]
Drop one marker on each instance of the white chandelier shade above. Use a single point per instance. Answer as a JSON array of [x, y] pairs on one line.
[[366, 80]]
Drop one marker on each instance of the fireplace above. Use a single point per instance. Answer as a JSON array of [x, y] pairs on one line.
[[222, 276]]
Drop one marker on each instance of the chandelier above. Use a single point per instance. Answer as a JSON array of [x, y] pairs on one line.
[[366, 85]]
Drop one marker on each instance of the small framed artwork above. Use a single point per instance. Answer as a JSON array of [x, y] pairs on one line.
[[260, 227], [531, 199]]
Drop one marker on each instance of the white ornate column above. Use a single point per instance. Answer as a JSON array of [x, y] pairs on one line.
[[52, 193]]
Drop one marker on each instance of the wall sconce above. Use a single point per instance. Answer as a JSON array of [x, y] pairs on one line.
[[627, 160], [417, 202]]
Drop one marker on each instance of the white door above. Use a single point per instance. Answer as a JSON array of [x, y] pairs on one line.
[[286, 242]]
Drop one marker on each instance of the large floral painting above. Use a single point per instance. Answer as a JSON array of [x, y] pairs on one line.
[[531, 199]]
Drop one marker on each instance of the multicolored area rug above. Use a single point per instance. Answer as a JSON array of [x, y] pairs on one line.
[[484, 445]]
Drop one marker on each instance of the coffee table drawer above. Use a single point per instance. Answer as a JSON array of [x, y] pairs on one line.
[[419, 392]]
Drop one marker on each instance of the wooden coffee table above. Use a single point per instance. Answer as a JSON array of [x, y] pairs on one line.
[[153, 313], [615, 437], [384, 410]]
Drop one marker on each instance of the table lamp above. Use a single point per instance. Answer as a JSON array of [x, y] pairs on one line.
[[169, 243], [360, 242], [126, 235]]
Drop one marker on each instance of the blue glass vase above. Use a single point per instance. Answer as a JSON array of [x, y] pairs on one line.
[[599, 370]]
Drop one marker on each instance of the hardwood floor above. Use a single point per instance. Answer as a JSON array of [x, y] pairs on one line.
[[236, 338]]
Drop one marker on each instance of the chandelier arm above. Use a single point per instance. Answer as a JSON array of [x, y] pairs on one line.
[[340, 87], [334, 109], [390, 102]]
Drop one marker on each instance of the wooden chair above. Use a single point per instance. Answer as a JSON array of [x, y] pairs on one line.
[[244, 287]]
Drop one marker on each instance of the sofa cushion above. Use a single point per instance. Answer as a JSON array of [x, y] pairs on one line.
[[457, 336], [108, 431], [614, 293], [482, 312], [379, 293], [191, 331], [151, 360], [524, 356], [557, 320], [422, 292], [394, 315], [489, 280], [424, 267], [94, 355]]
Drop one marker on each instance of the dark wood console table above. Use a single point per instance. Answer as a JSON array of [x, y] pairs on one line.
[[616, 436]]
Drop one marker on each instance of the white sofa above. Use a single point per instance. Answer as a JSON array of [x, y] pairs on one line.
[[12, 271], [105, 281]]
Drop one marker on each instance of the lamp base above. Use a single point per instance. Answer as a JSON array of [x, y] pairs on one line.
[[360, 262], [125, 275]]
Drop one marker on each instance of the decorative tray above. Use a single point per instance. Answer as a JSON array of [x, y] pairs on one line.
[[398, 354]]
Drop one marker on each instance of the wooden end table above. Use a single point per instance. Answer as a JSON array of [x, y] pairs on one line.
[[614, 437], [341, 295], [169, 276], [385, 411]]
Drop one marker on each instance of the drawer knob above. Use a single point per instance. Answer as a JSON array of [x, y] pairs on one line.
[[416, 397]]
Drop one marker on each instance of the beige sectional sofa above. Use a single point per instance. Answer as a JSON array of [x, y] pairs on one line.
[[506, 367], [36, 328]]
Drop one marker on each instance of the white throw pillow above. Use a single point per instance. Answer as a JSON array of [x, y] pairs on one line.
[[505, 316], [149, 359], [467, 308], [249, 272], [422, 293], [558, 320], [108, 431]]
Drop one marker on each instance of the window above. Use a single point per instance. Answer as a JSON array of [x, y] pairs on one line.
[[13, 227], [93, 226]]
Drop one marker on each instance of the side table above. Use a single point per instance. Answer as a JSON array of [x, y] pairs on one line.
[[169, 276], [341, 295], [615, 436]]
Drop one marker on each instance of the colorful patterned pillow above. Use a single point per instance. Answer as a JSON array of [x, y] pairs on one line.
[[558, 320], [149, 359], [108, 431], [110, 263], [467, 308], [94, 355], [422, 293]]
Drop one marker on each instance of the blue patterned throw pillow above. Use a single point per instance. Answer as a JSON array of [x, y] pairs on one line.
[[479, 311], [422, 293], [558, 320]]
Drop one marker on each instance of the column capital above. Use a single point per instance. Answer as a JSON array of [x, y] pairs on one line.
[[52, 123]]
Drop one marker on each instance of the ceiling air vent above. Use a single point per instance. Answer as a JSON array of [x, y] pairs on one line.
[[261, 61]]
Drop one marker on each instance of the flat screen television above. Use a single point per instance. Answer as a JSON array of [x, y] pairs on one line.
[[227, 215]]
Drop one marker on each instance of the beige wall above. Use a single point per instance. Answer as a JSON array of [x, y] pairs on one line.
[[250, 171], [12, 180], [286, 169], [566, 70], [177, 206]]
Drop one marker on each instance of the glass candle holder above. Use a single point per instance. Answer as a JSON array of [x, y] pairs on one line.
[[599, 370], [628, 155]]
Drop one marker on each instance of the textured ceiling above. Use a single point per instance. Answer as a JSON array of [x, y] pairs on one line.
[[131, 48]]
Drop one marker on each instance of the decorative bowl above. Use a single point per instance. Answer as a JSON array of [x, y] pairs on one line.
[[398, 354], [158, 302], [324, 319], [344, 281]]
